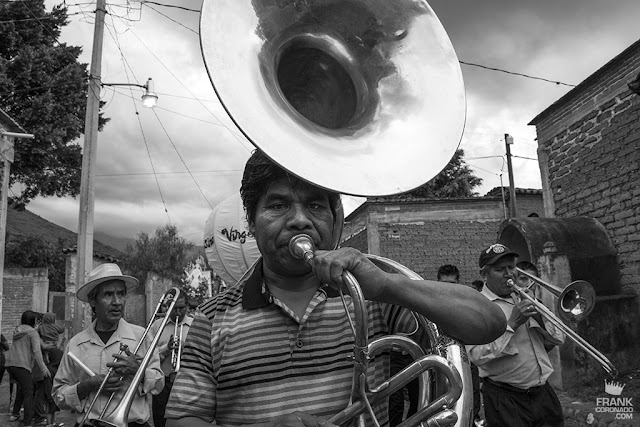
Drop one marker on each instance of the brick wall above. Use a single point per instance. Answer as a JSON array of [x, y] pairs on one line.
[[24, 289], [589, 153], [593, 160], [425, 247], [424, 234]]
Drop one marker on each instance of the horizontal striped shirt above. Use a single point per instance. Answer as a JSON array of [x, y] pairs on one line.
[[248, 358]]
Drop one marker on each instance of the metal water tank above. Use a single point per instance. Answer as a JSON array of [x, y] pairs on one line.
[[582, 241]]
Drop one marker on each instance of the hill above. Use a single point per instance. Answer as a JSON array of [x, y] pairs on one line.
[[120, 243], [25, 223]]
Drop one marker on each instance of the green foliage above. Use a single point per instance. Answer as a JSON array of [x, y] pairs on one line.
[[43, 88], [37, 252], [164, 253], [455, 180]]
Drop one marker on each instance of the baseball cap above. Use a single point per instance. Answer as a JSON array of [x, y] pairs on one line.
[[493, 253]]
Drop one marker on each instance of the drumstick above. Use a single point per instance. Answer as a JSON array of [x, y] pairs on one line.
[[82, 365]]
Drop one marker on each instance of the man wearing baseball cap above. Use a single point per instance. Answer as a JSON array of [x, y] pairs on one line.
[[90, 354], [514, 368]]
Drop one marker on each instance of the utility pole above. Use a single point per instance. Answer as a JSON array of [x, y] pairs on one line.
[[508, 140], [89, 155]]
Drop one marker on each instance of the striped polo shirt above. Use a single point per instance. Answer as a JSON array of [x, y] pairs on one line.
[[248, 358]]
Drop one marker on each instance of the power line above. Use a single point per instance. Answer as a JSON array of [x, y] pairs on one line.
[[157, 107], [516, 74], [181, 159], [153, 168], [170, 5], [43, 18], [522, 157], [225, 171], [173, 20], [238, 138]]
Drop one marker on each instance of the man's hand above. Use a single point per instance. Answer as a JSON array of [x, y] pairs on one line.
[[174, 343], [93, 383], [126, 365], [299, 419], [522, 311], [329, 267]]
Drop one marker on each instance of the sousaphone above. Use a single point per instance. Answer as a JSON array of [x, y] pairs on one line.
[[361, 97]]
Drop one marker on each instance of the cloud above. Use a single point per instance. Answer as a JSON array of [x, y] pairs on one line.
[[197, 154]]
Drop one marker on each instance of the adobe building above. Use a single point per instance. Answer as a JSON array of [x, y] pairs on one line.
[[589, 157]]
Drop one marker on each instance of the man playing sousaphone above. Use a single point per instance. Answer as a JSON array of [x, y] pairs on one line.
[[274, 349], [77, 381]]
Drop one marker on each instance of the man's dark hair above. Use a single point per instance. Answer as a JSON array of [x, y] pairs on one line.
[[448, 270], [29, 317], [259, 173], [527, 266], [477, 285]]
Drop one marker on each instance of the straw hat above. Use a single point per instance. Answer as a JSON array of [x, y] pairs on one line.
[[104, 273]]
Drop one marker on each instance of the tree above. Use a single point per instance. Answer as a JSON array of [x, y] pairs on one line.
[[44, 88], [455, 180], [37, 252], [165, 254]]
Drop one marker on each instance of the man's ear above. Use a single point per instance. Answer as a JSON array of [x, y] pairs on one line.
[[252, 228]]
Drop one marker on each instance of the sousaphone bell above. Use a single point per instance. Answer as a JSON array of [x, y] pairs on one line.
[[360, 97]]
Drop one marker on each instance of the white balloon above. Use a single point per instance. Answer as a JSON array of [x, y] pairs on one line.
[[229, 248]]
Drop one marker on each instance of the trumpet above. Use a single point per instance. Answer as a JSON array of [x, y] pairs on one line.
[[176, 345], [118, 417], [575, 302]]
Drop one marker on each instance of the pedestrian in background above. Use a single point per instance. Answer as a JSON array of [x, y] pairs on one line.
[[24, 354], [4, 346]]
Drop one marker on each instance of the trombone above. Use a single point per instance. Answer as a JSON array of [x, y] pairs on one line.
[[575, 302], [118, 417]]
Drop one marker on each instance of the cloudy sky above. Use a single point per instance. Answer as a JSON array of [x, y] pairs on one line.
[[198, 155]]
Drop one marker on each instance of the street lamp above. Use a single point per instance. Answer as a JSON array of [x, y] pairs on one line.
[[149, 98]]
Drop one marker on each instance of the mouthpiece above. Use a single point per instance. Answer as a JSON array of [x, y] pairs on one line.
[[301, 247]]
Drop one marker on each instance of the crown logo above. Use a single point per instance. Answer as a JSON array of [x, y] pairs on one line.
[[614, 388]]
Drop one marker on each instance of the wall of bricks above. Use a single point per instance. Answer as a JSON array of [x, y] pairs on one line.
[[593, 160], [423, 234], [589, 151], [24, 289], [424, 248], [595, 171]]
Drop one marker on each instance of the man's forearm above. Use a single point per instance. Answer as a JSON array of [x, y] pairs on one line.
[[458, 310]]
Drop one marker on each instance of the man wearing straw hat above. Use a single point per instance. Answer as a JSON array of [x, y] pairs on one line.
[[91, 353]]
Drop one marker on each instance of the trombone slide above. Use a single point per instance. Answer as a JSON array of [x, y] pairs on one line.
[[548, 315]]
